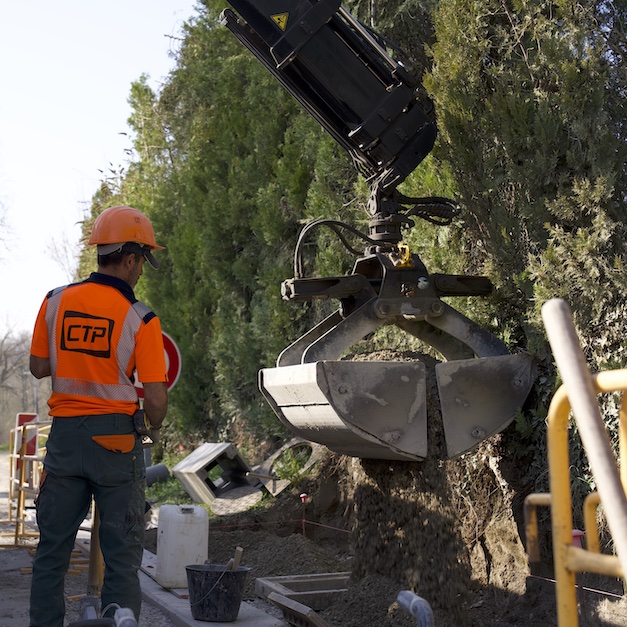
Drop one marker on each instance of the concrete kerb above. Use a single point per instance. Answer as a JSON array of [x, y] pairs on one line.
[[179, 612]]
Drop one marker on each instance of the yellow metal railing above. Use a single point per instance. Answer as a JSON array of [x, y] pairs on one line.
[[27, 449], [579, 395]]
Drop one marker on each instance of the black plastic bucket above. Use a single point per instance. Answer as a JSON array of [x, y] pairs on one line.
[[215, 593]]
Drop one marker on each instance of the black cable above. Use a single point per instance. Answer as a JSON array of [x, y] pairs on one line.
[[333, 225], [434, 209]]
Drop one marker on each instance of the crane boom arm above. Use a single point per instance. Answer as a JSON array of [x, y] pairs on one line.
[[343, 77]]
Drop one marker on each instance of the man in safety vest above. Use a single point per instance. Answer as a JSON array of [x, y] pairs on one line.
[[91, 338]]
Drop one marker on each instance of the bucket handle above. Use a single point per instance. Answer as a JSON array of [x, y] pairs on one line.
[[210, 591]]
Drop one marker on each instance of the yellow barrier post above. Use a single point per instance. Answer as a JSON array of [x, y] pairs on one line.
[[530, 510], [579, 393], [561, 508], [590, 505]]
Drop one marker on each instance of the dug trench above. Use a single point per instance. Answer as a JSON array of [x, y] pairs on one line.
[[449, 530]]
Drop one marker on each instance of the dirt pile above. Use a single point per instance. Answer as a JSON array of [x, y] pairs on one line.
[[269, 555], [493, 588], [448, 530], [406, 529]]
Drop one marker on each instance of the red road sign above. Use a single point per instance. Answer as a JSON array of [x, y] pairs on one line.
[[172, 364], [23, 418]]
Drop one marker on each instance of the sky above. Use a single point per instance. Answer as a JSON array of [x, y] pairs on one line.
[[66, 69]]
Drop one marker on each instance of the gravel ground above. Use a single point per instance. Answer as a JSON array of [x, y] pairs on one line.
[[15, 579]]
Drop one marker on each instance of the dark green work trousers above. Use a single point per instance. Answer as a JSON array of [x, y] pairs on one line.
[[76, 468]]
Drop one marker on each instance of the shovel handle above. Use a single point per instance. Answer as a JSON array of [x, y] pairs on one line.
[[237, 558]]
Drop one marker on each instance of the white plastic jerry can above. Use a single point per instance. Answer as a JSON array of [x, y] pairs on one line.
[[182, 540]]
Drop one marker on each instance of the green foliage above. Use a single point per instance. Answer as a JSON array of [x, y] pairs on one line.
[[535, 140], [228, 168], [406, 25], [529, 101], [166, 492], [290, 463], [525, 124]]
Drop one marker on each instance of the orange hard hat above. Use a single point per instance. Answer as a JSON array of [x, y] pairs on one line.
[[118, 225]]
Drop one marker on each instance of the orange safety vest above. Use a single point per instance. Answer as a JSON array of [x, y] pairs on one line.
[[96, 334]]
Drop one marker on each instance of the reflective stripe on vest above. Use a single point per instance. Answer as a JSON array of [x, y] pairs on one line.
[[124, 390], [79, 387]]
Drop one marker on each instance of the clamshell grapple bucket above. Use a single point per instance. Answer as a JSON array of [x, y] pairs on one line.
[[380, 409]]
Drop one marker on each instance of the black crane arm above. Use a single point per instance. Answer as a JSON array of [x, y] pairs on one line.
[[344, 78]]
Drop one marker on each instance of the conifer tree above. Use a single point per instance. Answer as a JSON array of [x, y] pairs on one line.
[[529, 128]]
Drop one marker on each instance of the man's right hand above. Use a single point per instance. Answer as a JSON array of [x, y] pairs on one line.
[[144, 428], [156, 402]]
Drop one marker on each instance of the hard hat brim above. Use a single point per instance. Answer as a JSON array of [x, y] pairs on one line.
[[130, 247], [150, 259]]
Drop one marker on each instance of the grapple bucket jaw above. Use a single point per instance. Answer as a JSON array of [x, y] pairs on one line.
[[362, 409], [381, 409], [480, 397]]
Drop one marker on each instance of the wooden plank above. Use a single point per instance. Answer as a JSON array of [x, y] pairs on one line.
[[297, 613]]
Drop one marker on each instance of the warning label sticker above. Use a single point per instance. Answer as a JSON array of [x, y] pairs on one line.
[[280, 19]]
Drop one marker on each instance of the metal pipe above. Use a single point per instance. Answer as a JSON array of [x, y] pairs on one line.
[[583, 400], [582, 561], [561, 508], [622, 441]]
